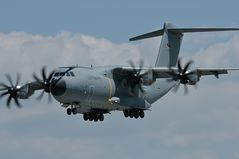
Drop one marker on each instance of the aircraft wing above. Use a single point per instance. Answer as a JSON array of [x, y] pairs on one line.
[[212, 71], [165, 72]]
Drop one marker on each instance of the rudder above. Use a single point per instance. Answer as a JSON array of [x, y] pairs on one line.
[[169, 47]]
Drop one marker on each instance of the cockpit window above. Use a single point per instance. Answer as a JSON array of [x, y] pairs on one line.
[[62, 74], [68, 74]]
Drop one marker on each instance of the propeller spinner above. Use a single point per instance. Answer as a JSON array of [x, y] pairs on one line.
[[11, 90]]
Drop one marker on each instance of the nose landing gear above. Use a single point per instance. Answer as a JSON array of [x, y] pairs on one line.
[[70, 111]]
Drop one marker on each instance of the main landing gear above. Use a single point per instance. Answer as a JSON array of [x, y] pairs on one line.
[[134, 113], [93, 116], [70, 111]]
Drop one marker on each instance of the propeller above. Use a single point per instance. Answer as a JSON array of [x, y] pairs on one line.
[[45, 83], [181, 75], [136, 79], [11, 90]]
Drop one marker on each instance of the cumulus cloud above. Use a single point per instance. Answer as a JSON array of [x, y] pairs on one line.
[[177, 127], [25, 52], [219, 54]]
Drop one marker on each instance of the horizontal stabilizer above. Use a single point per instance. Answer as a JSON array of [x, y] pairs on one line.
[[179, 30], [191, 30], [148, 35]]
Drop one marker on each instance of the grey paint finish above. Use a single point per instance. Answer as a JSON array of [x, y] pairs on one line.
[[169, 47]]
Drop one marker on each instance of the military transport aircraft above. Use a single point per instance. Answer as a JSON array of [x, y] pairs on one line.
[[95, 91]]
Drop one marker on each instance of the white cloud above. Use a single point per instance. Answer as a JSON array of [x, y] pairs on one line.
[[219, 54]]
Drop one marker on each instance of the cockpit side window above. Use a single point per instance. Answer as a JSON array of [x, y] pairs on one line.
[[56, 74]]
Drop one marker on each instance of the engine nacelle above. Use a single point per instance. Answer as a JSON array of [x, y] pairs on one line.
[[194, 78], [24, 92], [148, 78]]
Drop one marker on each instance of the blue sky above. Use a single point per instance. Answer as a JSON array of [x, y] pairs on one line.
[[114, 20], [54, 33]]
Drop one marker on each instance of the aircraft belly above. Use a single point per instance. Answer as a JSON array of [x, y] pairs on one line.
[[158, 90]]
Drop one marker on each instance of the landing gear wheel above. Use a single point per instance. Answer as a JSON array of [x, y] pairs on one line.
[[68, 111], [74, 111], [85, 116], [126, 113], [136, 114], [101, 117], [131, 114], [141, 114], [91, 117], [96, 117]]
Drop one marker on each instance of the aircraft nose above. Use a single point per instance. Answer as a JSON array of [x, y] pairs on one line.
[[58, 87]]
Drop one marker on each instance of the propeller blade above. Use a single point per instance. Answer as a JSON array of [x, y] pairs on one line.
[[179, 66], [41, 95], [49, 98], [185, 89], [176, 87], [141, 65], [50, 77], [4, 86], [43, 72], [18, 79], [36, 78], [131, 63], [136, 80], [17, 102], [9, 79], [8, 101], [3, 94], [186, 67]]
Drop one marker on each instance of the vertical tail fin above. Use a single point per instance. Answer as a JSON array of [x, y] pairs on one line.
[[169, 47]]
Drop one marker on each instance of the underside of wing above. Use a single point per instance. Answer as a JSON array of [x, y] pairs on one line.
[[213, 71]]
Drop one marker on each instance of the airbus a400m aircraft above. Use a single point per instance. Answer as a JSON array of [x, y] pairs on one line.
[[95, 91]]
